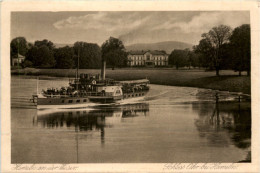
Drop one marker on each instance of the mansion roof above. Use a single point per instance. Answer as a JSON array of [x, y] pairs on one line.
[[153, 52]]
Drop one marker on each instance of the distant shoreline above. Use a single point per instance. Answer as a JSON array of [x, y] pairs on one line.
[[228, 81]]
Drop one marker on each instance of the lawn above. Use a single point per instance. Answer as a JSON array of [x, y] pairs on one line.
[[228, 81]]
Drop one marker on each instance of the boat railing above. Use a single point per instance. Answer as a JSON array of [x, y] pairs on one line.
[[79, 94], [99, 94], [54, 95]]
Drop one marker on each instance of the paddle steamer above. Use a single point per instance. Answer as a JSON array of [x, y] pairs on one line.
[[87, 90]]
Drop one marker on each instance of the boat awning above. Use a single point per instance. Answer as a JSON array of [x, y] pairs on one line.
[[140, 81]]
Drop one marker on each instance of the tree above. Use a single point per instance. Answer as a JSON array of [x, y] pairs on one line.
[[226, 56], [113, 51], [46, 57], [32, 54], [64, 57], [213, 42], [41, 54], [41, 57], [241, 49], [27, 63], [194, 59], [116, 58], [206, 54], [45, 42], [179, 58], [89, 55], [18, 45]]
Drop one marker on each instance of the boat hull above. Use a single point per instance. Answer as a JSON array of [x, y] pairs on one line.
[[61, 103], [82, 102]]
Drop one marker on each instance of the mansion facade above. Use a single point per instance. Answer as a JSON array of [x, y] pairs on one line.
[[147, 58]]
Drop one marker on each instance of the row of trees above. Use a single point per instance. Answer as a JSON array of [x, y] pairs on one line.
[[220, 48], [43, 54], [185, 58]]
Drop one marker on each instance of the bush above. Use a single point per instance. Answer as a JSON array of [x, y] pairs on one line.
[[27, 63]]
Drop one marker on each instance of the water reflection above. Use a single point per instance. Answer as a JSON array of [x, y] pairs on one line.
[[223, 122], [88, 120], [184, 125]]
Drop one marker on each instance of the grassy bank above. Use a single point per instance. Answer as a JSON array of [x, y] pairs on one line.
[[228, 81]]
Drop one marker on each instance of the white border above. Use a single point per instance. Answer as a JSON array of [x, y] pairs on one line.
[[7, 7]]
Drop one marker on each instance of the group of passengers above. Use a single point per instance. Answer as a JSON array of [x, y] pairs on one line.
[[130, 89], [61, 91]]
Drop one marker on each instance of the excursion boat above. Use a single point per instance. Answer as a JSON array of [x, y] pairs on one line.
[[89, 90]]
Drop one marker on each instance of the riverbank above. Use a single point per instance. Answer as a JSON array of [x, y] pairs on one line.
[[228, 81]]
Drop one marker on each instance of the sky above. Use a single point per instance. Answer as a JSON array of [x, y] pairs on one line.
[[131, 27]]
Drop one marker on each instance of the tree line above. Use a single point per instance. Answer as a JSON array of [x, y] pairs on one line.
[[219, 49], [44, 54]]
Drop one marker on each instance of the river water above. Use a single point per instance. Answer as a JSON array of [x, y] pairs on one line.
[[172, 124]]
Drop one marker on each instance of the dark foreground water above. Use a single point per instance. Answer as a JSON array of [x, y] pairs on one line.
[[172, 124]]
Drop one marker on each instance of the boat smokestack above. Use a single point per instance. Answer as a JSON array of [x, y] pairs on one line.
[[103, 70]]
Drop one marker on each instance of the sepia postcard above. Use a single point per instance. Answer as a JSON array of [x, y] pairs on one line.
[[130, 86]]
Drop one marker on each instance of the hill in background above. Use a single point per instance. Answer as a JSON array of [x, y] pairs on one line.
[[59, 45], [168, 46]]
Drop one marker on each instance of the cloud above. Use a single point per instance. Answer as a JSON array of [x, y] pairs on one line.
[[134, 27], [207, 20], [107, 21], [177, 29]]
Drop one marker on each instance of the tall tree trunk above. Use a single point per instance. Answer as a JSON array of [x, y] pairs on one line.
[[239, 73]]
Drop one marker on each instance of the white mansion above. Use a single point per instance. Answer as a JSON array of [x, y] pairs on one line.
[[147, 58]]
